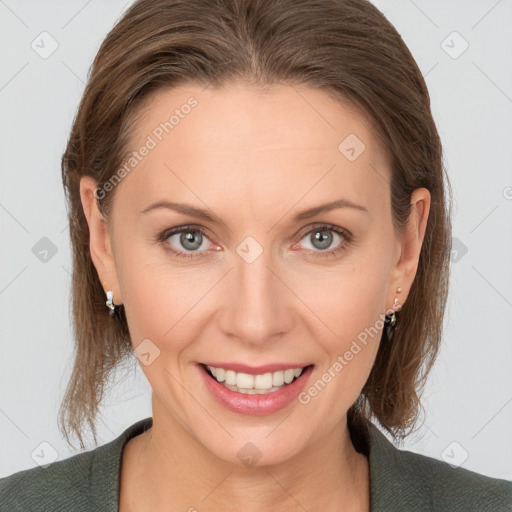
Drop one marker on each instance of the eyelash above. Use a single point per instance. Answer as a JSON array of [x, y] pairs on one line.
[[347, 239]]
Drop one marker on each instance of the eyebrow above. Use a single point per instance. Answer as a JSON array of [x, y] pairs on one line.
[[205, 215]]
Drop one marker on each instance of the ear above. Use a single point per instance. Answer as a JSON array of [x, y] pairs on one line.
[[99, 238], [410, 244]]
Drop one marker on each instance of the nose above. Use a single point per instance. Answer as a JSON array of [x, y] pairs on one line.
[[257, 309]]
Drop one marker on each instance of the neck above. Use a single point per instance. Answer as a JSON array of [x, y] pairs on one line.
[[167, 466]]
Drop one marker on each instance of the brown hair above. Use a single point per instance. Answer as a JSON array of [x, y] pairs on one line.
[[346, 48]]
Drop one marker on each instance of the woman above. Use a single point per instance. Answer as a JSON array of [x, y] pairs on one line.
[[258, 212]]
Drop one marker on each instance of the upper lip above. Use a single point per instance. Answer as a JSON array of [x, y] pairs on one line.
[[256, 370]]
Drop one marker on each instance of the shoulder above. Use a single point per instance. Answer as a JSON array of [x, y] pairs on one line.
[[50, 487], [418, 482], [83, 482], [456, 488]]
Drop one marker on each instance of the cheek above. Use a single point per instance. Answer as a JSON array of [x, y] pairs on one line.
[[149, 306], [352, 309], [161, 298], [349, 304], [345, 300]]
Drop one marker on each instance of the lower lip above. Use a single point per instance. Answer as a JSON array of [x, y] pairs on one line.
[[258, 405]]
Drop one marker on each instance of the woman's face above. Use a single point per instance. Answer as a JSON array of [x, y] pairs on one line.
[[266, 284]]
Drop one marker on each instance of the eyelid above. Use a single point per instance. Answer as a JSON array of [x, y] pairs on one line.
[[323, 225], [347, 238], [164, 235]]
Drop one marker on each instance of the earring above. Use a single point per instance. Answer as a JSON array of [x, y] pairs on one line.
[[390, 320], [110, 303]]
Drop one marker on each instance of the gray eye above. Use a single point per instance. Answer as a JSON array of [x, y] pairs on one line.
[[188, 239], [321, 239], [191, 239]]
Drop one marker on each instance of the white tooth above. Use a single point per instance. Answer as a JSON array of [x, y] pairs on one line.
[[252, 391], [278, 378], [263, 381], [288, 376], [244, 380], [220, 374], [231, 377]]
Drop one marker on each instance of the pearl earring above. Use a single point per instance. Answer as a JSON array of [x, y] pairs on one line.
[[390, 320], [110, 302]]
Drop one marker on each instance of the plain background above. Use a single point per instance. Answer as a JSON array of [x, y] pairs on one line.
[[468, 399]]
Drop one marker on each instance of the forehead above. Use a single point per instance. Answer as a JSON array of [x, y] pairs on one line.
[[301, 116], [235, 137]]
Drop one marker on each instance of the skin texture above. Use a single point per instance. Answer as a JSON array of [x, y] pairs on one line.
[[255, 159]]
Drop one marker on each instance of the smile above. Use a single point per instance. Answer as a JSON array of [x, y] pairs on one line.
[[254, 393], [254, 384]]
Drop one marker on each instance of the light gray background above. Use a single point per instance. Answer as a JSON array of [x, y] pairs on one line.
[[468, 399]]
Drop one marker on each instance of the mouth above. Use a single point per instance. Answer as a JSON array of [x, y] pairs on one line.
[[254, 384], [255, 393]]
